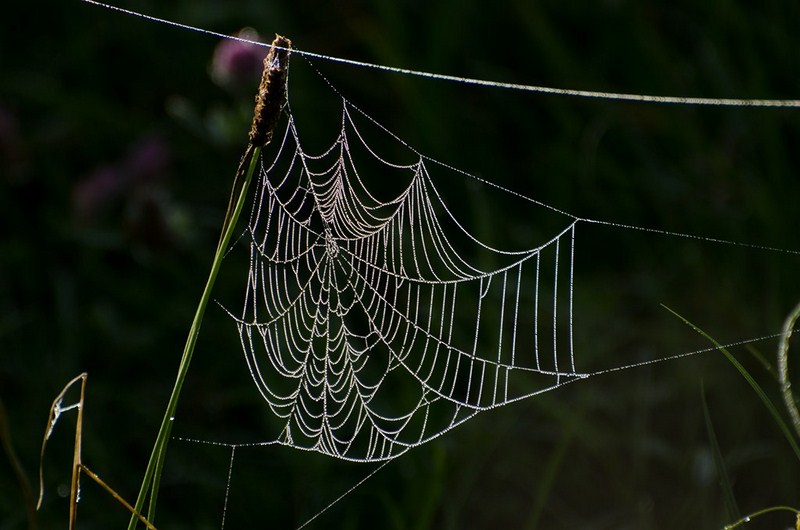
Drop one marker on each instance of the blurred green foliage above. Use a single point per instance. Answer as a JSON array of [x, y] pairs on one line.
[[116, 154]]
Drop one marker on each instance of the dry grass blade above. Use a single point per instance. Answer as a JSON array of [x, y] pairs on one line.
[[55, 412], [77, 465]]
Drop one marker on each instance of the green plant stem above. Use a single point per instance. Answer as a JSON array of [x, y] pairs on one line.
[[783, 368], [787, 433], [748, 518], [152, 476], [719, 461]]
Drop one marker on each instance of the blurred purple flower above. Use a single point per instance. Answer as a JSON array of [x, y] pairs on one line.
[[237, 65], [92, 194], [148, 160], [146, 164]]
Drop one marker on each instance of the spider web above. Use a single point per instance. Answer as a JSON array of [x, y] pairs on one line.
[[374, 322], [353, 300], [374, 319], [378, 312]]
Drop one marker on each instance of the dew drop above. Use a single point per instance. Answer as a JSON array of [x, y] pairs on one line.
[[63, 490]]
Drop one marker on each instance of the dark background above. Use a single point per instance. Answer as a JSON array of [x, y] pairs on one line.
[[117, 150]]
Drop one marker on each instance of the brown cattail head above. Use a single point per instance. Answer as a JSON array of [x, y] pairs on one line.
[[271, 95]]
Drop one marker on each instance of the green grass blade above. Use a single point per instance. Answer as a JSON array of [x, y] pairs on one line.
[[752, 382], [748, 518], [783, 368], [152, 478], [762, 360], [719, 461]]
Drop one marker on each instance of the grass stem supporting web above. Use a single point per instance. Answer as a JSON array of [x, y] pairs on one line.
[[269, 103]]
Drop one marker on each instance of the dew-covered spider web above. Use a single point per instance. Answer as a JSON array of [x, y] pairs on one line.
[[352, 299], [381, 305], [373, 323], [377, 312]]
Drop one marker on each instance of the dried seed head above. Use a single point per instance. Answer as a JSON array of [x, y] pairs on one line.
[[271, 95]]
